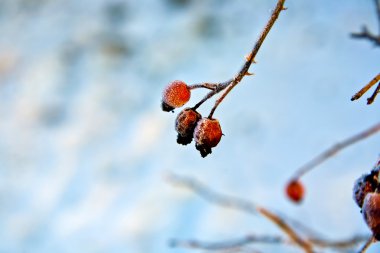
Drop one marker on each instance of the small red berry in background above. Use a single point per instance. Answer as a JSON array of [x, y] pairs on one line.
[[207, 135], [175, 95], [371, 213], [295, 191], [185, 124]]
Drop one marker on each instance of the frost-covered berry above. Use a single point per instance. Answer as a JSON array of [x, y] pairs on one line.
[[207, 135], [371, 213], [175, 95], [365, 184], [295, 190], [185, 124]]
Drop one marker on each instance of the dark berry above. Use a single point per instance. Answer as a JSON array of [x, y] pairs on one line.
[[185, 124], [365, 184], [207, 135], [175, 95], [295, 191], [371, 213]]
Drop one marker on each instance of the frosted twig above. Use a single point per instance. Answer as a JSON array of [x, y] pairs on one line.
[[251, 57], [335, 149]]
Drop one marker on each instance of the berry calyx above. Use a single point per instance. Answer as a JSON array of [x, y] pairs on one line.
[[207, 135], [175, 95], [371, 213], [295, 190], [185, 124]]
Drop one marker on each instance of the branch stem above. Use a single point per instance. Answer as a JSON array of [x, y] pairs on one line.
[[251, 57], [366, 88], [335, 149], [367, 244]]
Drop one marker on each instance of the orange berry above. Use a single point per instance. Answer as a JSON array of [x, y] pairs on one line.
[[185, 124], [371, 213], [175, 95], [207, 135], [295, 191]]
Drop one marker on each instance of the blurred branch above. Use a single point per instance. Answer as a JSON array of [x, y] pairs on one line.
[[365, 33], [367, 244], [335, 149], [251, 208], [239, 204], [228, 244], [264, 239]]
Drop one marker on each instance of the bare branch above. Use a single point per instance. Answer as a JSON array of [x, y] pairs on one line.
[[342, 244], [263, 239], [211, 196], [239, 204], [335, 149], [365, 34], [366, 88], [377, 4], [367, 244], [306, 245], [218, 88], [251, 57], [228, 244]]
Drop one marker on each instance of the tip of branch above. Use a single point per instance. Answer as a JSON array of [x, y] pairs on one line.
[[284, 8], [370, 100], [249, 74]]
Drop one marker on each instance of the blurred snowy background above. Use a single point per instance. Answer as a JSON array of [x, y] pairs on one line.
[[84, 146]]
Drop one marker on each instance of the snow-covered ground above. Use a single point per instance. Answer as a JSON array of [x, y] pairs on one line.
[[84, 146]]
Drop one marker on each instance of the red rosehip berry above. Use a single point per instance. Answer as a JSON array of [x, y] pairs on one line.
[[185, 124], [175, 95], [295, 191], [365, 184], [207, 135], [371, 213]]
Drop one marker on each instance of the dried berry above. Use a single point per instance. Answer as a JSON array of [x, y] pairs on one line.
[[175, 95], [365, 184], [371, 213], [185, 124], [207, 135], [295, 190]]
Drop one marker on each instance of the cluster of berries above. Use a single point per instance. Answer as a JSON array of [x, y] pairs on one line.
[[366, 194], [189, 123]]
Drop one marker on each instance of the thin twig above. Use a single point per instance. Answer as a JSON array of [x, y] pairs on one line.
[[239, 204], [366, 88], [211, 196], [366, 245], [228, 244], [365, 33], [342, 244], [210, 86], [304, 244], [374, 94], [335, 149], [218, 88], [251, 57], [263, 239], [377, 4]]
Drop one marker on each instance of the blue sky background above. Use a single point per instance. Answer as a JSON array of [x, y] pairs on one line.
[[84, 146]]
